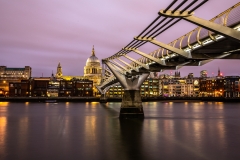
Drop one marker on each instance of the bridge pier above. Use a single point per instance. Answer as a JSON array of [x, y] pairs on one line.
[[131, 105], [103, 98], [131, 102]]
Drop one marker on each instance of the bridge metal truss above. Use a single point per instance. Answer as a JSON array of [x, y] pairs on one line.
[[217, 38]]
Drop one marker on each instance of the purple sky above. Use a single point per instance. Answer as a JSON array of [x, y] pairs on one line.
[[41, 33]]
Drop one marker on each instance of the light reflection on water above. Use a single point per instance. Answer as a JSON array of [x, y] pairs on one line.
[[170, 130], [3, 134], [4, 104]]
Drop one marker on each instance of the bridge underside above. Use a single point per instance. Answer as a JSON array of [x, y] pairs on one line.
[[219, 49]]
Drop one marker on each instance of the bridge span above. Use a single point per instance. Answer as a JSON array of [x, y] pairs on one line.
[[218, 38]]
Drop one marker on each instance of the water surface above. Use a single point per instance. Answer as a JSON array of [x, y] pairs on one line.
[[197, 130]]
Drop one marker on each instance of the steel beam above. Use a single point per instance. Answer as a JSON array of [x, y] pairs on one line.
[[132, 67], [120, 65], [217, 28], [107, 88], [204, 62], [132, 83], [166, 46], [226, 31], [135, 61], [108, 81], [116, 66], [115, 71], [161, 62], [99, 89]]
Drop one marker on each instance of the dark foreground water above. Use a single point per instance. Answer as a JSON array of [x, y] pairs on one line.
[[88, 131]]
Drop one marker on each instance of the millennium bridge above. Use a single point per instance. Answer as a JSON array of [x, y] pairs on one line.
[[218, 38]]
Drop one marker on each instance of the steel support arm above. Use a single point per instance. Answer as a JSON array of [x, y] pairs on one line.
[[104, 90], [108, 80], [217, 28], [118, 70], [166, 46], [120, 65], [116, 73], [226, 31], [204, 62], [134, 68], [135, 61], [128, 83], [161, 62], [99, 89], [114, 68], [107, 88]]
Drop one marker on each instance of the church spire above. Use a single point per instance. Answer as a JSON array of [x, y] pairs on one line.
[[59, 65], [59, 71], [93, 52]]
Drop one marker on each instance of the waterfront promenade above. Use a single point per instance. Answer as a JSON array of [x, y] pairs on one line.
[[116, 99]]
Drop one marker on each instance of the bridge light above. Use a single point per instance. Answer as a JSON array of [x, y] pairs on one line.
[[219, 36]]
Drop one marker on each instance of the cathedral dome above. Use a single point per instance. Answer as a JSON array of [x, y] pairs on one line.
[[92, 60]]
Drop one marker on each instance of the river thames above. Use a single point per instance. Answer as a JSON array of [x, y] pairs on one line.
[[89, 131]]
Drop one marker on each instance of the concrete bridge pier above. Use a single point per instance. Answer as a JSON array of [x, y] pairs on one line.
[[103, 98], [131, 105]]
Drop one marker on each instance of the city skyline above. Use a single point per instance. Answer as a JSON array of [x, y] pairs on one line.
[[40, 34]]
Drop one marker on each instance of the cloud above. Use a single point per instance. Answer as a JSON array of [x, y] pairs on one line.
[[41, 33]]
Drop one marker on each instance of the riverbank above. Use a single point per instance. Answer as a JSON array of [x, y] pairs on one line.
[[97, 99]]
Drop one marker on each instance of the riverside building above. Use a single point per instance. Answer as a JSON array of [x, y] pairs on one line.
[[19, 89], [212, 86], [149, 88], [232, 86], [8, 75], [49, 87], [179, 87]]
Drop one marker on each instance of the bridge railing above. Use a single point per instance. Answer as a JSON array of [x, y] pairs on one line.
[[229, 17]]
